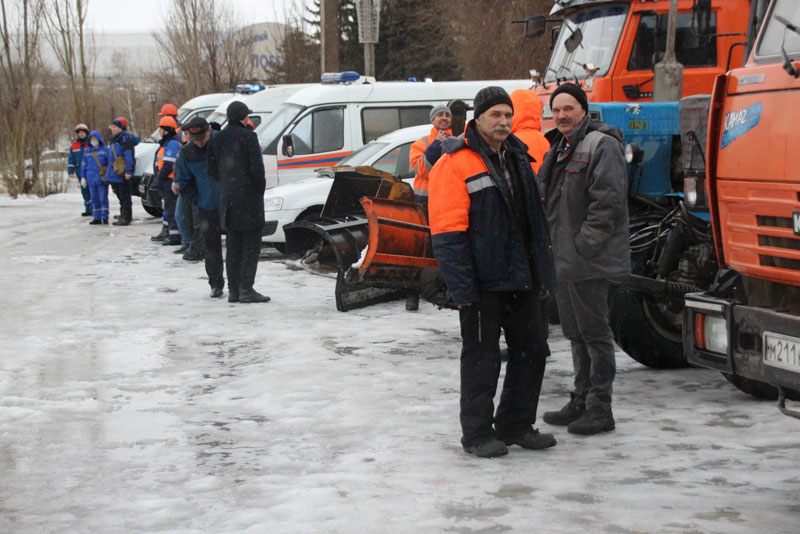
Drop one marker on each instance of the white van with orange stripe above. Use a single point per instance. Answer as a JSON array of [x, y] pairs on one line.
[[320, 125]]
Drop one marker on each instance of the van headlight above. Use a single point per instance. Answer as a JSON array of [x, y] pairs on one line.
[[273, 204]]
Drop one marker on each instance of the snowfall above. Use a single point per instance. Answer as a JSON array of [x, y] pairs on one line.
[[131, 402]]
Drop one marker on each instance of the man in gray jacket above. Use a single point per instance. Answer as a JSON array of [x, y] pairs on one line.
[[585, 185]]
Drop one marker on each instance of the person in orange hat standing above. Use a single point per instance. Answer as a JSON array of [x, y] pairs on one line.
[[164, 172]]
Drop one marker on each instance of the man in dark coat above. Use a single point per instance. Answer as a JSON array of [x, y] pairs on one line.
[[586, 186], [491, 240], [234, 160]]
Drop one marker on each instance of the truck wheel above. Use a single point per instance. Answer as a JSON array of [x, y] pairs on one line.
[[647, 329], [759, 390]]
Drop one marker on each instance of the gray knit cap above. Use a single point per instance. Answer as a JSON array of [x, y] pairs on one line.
[[489, 97], [439, 108]]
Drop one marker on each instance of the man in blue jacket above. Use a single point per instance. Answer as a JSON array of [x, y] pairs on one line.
[[74, 162], [121, 146], [193, 166]]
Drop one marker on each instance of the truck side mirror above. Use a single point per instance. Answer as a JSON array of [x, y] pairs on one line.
[[574, 40], [288, 146], [534, 26]]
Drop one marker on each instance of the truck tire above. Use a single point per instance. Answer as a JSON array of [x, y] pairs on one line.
[[646, 329], [759, 390]]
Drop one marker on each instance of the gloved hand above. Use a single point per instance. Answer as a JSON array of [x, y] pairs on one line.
[[83, 183]]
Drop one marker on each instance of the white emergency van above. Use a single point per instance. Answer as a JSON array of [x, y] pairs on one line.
[[320, 125]]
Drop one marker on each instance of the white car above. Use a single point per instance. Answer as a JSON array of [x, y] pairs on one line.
[[304, 200]]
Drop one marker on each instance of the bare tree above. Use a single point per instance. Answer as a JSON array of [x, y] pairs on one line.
[[299, 52], [199, 48], [65, 21], [21, 67]]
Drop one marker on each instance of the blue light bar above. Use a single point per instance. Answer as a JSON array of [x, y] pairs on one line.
[[347, 76], [249, 88]]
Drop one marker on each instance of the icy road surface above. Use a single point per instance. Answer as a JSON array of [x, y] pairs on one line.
[[132, 403]]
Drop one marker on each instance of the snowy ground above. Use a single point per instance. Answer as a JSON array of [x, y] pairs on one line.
[[131, 403]]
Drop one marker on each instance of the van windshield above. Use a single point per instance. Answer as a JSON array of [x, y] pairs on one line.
[[217, 116], [360, 156], [270, 130], [601, 28]]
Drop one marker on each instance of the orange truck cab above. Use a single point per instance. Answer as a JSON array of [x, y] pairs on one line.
[[610, 47], [747, 325]]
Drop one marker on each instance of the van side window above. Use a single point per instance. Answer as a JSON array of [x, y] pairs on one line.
[[378, 121], [691, 48], [318, 132]]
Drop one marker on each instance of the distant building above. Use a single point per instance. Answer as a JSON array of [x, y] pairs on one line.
[[132, 56]]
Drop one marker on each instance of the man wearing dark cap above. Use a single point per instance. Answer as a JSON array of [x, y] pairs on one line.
[[193, 167], [585, 184], [491, 240], [234, 160]]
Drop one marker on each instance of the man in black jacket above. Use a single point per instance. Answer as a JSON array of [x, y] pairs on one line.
[[234, 160]]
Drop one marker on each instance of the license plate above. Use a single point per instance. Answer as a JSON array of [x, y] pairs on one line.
[[782, 351], [796, 222]]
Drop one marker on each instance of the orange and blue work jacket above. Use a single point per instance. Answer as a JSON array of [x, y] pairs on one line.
[[164, 163], [476, 220], [422, 156]]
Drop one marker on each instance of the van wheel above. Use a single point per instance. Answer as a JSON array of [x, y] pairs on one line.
[[759, 390], [151, 210]]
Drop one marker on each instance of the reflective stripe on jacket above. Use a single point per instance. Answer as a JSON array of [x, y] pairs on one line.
[[421, 165]]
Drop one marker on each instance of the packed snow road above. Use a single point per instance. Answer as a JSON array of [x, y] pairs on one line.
[[130, 402]]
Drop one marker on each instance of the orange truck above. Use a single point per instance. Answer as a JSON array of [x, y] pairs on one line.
[[747, 324]]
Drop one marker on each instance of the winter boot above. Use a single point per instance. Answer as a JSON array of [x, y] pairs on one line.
[[86, 214], [105, 221], [532, 439], [233, 295], [194, 255], [247, 296], [172, 240], [216, 292], [125, 217], [182, 250], [162, 235], [412, 302], [593, 421], [489, 448], [95, 221], [569, 413]]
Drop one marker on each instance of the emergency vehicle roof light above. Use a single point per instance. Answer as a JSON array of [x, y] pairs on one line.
[[249, 88], [347, 76]]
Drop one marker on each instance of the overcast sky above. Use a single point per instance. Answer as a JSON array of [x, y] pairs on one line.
[[147, 15]]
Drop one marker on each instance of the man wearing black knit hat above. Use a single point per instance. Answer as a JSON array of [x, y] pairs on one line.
[[234, 160], [491, 240], [585, 184]]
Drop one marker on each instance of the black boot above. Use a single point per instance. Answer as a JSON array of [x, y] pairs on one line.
[[233, 295], [125, 217], [489, 448], [251, 295], [105, 221], [182, 250], [95, 221], [162, 235], [172, 240], [593, 421], [569, 413], [194, 255], [216, 292], [412, 302]]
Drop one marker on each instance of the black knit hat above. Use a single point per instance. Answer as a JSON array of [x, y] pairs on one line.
[[488, 97], [237, 111], [574, 90]]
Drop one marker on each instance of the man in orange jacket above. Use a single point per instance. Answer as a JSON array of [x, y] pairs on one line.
[[528, 125], [491, 240], [426, 151]]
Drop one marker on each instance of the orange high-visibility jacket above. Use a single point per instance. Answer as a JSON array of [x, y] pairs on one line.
[[418, 161]]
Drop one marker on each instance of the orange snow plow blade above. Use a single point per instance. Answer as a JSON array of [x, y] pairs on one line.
[[376, 239]]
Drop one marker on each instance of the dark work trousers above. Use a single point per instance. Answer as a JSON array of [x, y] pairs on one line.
[[212, 238], [583, 309], [170, 201], [519, 314], [242, 249], [123, 192], [191, 221]]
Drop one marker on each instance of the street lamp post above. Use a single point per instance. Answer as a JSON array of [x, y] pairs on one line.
[[151, 97], [368, 14]]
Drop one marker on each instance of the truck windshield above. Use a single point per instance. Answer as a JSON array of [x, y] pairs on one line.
[[601, 27], [269, 130], [777, 34]]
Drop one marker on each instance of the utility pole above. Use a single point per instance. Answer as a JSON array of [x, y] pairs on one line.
[[668, 74], [329, 35]]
